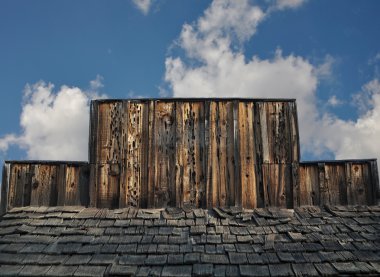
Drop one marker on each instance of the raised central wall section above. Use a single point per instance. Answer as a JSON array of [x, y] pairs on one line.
[[193, 152]]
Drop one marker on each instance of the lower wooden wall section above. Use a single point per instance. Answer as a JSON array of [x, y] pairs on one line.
[[353, 182], [31, 183]]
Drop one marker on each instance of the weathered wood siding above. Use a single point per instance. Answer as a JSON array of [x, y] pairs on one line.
[[353, 182], [44, 184], [192, 152]]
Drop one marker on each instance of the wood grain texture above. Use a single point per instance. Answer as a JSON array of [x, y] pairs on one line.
[[246, 135], [309, 185], [279, 132], [277, 183], [4, 189], [44, 184], [164, 149], [190, 146]]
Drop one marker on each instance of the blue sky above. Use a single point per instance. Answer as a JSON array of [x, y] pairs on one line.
[[57, 55]]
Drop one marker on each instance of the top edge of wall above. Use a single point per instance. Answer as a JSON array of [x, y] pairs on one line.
[[49, 162], [195, 99], [339, 161]]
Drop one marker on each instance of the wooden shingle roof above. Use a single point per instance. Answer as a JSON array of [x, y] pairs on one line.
[[79, 241]]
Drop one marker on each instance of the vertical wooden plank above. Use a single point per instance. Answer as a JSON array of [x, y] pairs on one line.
[[374, 197], [309, 185], [84, 182], [335, 184], [152, 157], [213, 159], [190, 131], [44, 182], [4, 189], [93, 144], [247, 155], [144, 154], [72, 186], [229, 153], [238, 178], [323, 188], [94, 184], [123, 186], [277, 183], [109, 153], [199, 179], [208, 154], [164, 153], [295, 185], [19, 185], [61, 184], [294, 133], [136, 150], [357, 188], [278, 132], [179, 154]]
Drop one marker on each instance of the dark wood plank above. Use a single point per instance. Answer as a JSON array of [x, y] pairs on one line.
[[358, 186], [4, 189], [309, 185], [151, 156], [335, 184], [20, 179], [164, 154], [277, 183], [374, 197], [44, 183]]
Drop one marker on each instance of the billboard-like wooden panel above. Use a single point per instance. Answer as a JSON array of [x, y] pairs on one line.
[[189, 152]]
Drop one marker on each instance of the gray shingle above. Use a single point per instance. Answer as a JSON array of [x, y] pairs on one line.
[[90, 270]]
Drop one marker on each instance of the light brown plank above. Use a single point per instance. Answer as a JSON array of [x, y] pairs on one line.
[[247, 155], [164, 154]]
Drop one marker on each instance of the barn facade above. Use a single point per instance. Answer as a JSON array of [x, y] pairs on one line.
[[191, 153]]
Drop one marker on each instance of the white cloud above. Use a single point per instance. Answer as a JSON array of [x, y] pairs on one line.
[[334, 101], [286, 4], [214, 65], [354, 138], [143, 5], [54, 124]]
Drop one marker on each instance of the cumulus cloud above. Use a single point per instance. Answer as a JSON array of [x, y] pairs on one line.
[[143, 5], [286, 4], [54, 124], [354, 138], [334, 101], [214, 65]]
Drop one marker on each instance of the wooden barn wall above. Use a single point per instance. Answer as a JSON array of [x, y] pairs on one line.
[[198, 153], [338, 183], [44, 184]]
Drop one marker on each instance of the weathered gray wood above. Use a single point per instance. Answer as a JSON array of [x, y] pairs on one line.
[[44, 182], [19, 191], [4, 190], [309, 185], [164, 154], [360, 183], [279, 134], [136, 162], [190, 152], [247, 155], [374, 196], [277, 181]]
